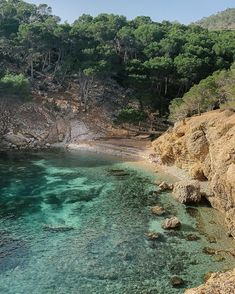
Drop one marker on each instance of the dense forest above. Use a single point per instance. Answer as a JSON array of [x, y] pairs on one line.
[[224, 20], [158, 61]]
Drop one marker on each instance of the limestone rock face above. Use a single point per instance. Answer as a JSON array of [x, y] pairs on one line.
[[187, 191], [205, 147], [221, 283]]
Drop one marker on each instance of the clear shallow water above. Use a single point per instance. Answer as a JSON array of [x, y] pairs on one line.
[[106, 251]]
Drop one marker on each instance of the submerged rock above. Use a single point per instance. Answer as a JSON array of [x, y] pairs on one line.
[[192, 237], [171, 223], [153, 236], [119, 172], [209, 250], [177, 282], [57, 229], [158, 210], [187, 191]]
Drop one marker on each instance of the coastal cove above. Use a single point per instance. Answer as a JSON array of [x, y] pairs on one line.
[[76, 222]]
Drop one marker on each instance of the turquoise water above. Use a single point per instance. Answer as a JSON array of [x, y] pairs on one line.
[[76, 223]]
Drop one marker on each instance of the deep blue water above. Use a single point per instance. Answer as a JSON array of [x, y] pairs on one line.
[[76, 223]]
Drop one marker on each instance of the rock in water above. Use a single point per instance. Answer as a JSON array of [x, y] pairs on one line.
[[158, 210], [165, 187], [171, 223], [177, 282], [187, 192], [152, 236]]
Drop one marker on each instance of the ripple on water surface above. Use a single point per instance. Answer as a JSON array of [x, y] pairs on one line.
[[76, 223]]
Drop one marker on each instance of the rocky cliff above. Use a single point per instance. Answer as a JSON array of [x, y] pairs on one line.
[[205, 147]]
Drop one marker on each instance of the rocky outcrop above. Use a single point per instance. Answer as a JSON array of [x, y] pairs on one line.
[[34, 126], [221, 283], [187, 191], [205, 147]]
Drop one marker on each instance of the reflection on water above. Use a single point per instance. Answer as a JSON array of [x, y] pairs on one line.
[[76, 223]]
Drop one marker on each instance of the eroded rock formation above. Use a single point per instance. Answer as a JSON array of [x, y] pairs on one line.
[[205, 147], [187, 191]]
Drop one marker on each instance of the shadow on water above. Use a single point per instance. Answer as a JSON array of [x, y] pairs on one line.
[[11, 251]]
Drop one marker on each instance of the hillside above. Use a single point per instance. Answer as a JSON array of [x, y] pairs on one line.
[[224, 20], [157, 61]]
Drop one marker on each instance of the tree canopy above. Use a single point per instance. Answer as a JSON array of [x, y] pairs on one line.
[[216, 91], [158, 61]]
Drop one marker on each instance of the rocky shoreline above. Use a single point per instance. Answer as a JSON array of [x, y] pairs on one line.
[[202, 149], [191, 150]]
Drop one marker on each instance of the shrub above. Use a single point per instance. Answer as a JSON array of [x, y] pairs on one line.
[[211, 93], [130, 115], [15, 85]]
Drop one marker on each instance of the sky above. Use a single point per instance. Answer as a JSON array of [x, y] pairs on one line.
[[184, 11]]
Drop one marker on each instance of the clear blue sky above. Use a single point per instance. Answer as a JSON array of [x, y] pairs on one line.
[[184, 11]]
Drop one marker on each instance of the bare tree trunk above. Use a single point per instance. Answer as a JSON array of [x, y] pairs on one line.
[[166, 85], [198, 109], [85, 83], [44, 63], [31, 67]]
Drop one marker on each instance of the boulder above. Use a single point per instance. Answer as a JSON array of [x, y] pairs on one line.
[[177, 282], [158, 210], [165, 187], [187, 191], [171, 223], [152, 236]]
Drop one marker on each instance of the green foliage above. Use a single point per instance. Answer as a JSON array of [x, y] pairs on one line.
[[16, 85], [130, 115], [157, 61], [215, 91]]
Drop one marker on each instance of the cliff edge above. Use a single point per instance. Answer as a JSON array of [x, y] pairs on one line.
[[205, 147]]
